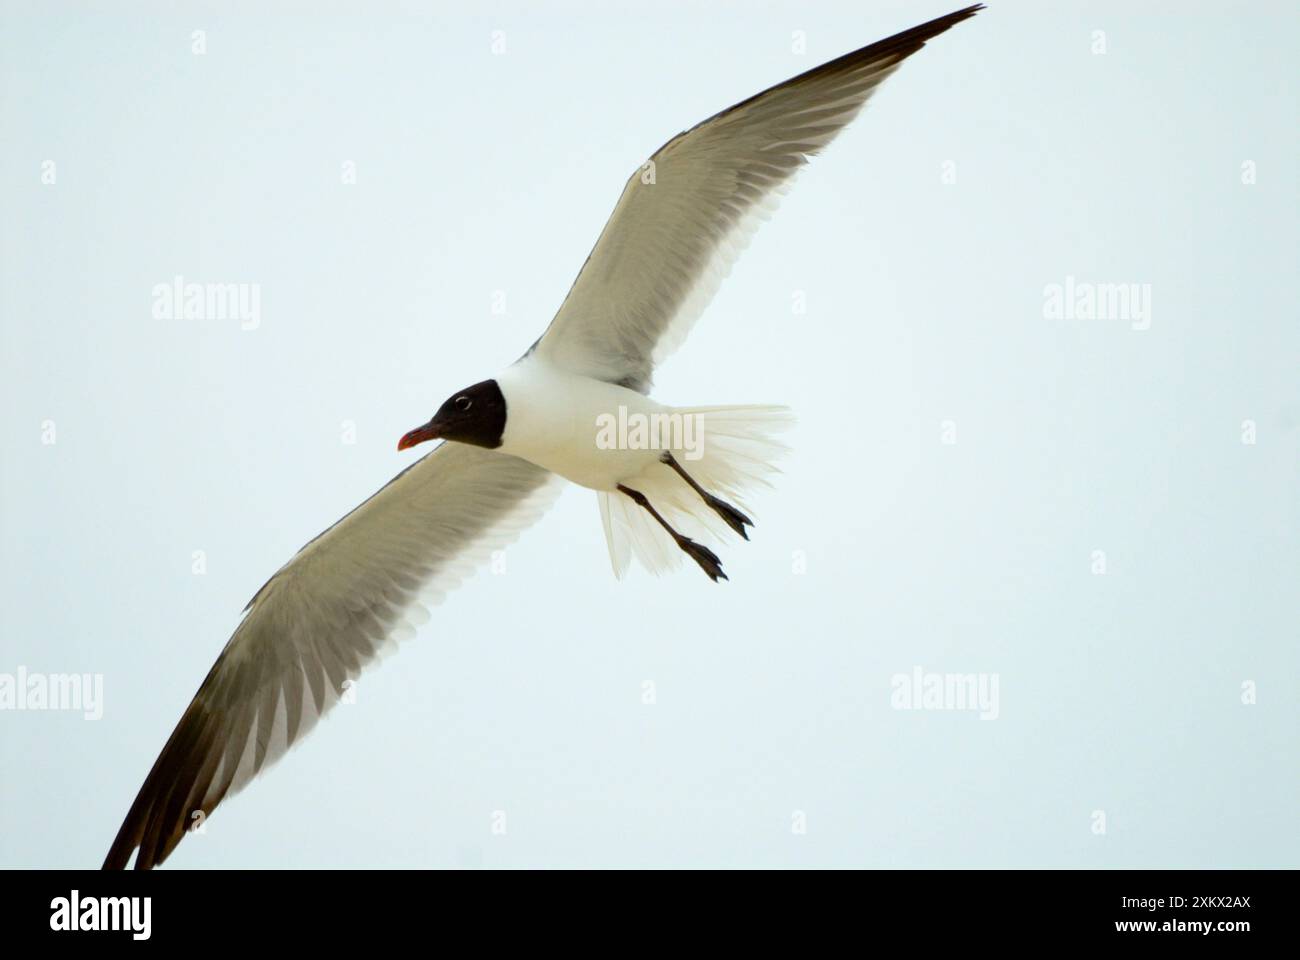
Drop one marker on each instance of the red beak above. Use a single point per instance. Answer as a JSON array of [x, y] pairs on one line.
[[418, 435]]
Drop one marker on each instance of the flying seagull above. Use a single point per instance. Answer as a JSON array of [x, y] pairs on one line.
[[575, 407]]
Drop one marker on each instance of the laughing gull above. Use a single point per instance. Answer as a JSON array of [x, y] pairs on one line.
[[575, 407]]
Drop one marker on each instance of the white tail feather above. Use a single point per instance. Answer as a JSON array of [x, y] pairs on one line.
[[736, 454]]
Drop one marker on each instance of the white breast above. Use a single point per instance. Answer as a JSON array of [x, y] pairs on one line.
[[562, 422]]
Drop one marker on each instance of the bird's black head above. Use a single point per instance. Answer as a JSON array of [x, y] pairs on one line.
[[475, 415]]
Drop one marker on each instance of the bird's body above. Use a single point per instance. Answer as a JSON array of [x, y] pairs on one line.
[[610, 438], [575, 407], [553, 419]]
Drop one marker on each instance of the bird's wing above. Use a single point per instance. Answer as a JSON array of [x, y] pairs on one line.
[[685, 215], [328, 612]]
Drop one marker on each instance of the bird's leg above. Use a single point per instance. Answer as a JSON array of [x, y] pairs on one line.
[[706, 558], [733, 517]]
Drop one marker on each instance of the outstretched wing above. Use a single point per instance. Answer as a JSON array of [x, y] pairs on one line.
[[328, 612], [684, 217]]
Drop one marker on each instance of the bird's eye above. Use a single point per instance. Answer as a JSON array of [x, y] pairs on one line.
[[464, 403]]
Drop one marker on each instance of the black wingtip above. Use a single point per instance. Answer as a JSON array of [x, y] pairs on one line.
[[899, 47], [913, 39]]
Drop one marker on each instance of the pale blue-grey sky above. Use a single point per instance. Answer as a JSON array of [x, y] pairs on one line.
[[1098, 514]]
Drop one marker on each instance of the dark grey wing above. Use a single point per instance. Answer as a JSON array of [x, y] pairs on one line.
[[354, 590], [685, 216]]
